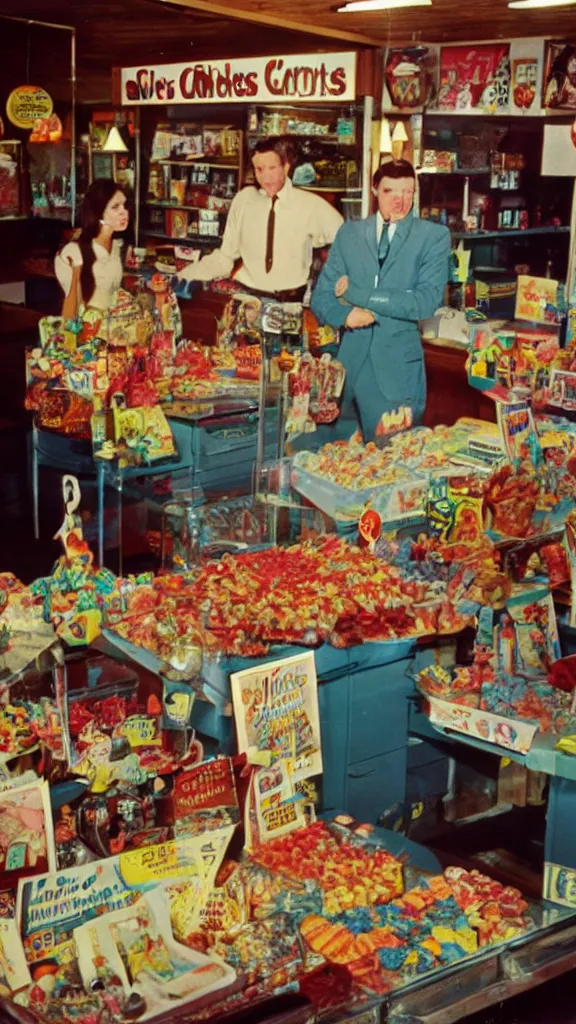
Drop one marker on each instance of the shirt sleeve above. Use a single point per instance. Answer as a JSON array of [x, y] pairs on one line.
[[327, 222], [324, 303], [219, 263], [416, 303], [62, 267]]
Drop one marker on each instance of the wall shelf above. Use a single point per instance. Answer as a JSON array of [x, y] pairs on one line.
[[190, 240], [336, 140], [178, 206], [479, 236], [536, 114], [468, 172], [326, 188], [222, 165]]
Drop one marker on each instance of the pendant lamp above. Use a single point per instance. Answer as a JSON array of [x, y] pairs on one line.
[[385, 136], [399, 137], [114, 143]]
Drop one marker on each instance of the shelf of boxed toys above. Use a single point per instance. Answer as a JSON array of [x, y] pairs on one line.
[[542, 757]]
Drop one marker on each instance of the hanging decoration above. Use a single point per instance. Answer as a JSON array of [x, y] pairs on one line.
[[28, 104], [47, 129], [573, 132]]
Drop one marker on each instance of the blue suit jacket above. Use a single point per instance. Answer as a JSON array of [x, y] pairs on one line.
[[408, 288]]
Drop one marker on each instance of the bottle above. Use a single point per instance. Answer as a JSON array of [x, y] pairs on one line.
[[571, 317], [98, 423]]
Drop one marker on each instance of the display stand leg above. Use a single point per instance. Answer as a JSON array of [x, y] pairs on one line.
[[35, 489], [120, 494], [100, 479], [282, 416], [261, 437]]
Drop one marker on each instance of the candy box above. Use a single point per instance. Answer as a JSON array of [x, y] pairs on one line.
[[504, 732], [80, 628]]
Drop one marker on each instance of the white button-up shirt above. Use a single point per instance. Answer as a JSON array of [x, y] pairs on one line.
[[107, 270], [303, 221]]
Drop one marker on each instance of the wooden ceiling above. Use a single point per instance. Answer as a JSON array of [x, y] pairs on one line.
[[124, 34], [113, 33]]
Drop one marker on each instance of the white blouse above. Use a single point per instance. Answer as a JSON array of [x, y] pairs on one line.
[[107, 269]]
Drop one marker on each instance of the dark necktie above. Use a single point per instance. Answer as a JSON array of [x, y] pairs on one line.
[[384, 246], [270, 236]]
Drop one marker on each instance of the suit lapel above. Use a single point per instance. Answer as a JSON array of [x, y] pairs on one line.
[[371, 238], [399, 239]]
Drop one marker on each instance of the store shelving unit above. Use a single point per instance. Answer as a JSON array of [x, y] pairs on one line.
[[328, 143], [504, 202], [189, 190]]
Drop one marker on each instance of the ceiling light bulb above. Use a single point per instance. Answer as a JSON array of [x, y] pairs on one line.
[[383, 5], [525, 4]]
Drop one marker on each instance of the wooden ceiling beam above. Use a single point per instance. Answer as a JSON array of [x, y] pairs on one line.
[[221, 10]]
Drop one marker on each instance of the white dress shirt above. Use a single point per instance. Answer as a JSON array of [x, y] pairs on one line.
[[303, 221], [107, 269]]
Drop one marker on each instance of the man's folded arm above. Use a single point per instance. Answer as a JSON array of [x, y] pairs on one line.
[[413, 304]]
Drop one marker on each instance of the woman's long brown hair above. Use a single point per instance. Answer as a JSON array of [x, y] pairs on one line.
[[96, 199]]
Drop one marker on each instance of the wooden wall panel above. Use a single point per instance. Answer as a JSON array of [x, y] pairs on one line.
[[111, 33]]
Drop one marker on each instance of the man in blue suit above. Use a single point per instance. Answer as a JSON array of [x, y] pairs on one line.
[[382, 276]]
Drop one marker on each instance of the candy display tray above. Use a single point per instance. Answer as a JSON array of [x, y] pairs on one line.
[[333, 499]]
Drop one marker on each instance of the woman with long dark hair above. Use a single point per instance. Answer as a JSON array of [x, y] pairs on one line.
[[90, 269]]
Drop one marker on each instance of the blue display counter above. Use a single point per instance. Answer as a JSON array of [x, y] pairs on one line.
[[363, 695]]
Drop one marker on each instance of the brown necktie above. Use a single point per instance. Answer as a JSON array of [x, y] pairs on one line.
[[270, 236]]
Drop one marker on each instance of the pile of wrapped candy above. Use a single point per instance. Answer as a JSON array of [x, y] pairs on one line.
[[470, 575], [440, 921], [321, 590], [346, 900], [357, 466], [95, 355]]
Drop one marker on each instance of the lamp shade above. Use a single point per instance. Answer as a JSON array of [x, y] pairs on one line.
[[399, 133], [385, 136], [114, 143]]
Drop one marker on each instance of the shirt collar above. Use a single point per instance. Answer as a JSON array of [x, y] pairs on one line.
[[392, 223], [284, 191]]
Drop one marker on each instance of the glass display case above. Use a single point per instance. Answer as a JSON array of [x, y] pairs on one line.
[[11, 192]]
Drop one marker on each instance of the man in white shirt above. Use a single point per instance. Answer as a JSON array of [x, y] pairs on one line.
[[272, 229]]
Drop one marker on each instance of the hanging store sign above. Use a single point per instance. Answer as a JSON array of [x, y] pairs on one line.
[[300, 78], [28, 104]]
